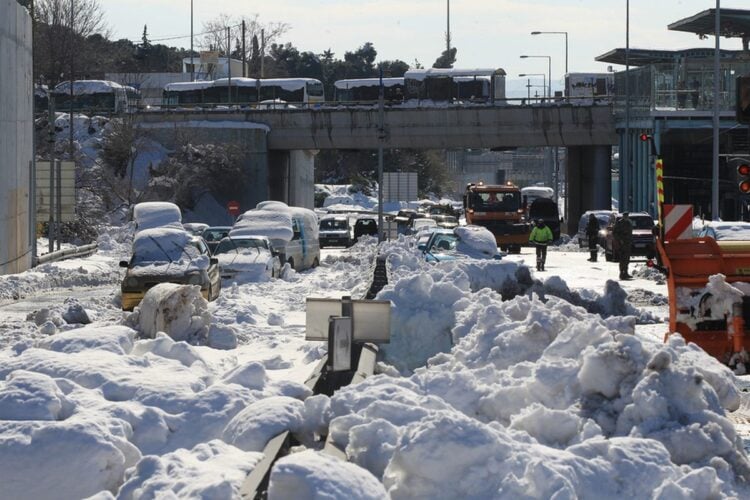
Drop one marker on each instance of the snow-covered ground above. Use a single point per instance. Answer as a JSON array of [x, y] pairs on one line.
[[499, 382]]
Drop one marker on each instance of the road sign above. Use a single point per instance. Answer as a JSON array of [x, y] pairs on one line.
[[67, 191], [233, 207], [371, 319], [678, 222], [399, 186]]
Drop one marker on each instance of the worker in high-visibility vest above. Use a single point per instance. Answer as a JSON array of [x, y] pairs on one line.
[[540, 236]]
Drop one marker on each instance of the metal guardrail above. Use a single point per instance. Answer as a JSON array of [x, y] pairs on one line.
[[255, 485], [68, 253]]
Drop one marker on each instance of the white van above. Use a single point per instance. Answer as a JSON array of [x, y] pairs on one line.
[[293, 231]]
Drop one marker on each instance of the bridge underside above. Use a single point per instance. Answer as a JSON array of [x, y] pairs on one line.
[[281, 144]]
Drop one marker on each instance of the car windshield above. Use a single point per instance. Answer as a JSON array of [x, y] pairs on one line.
[[333, 225], [239, 244], [215, 234], [496, 202], [153, 250], [642, 222], [443, 242]]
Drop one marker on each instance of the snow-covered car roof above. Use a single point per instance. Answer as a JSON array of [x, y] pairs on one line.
[[476, 240], [152, 214], [727, 230], [82, 87]]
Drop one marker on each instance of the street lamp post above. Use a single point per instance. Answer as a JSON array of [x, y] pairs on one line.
[[557, 33], [544, 79], [549, 72], [192, 61]]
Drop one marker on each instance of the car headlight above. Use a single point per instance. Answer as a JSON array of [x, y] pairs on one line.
[[195, 279], [131, 282]]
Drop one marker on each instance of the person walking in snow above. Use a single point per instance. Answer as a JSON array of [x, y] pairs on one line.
[[540, 236], [622, 234], [592, 233]]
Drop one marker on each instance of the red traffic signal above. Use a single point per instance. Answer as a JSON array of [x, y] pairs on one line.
[[645, 137], [744, 187], [743, 169]]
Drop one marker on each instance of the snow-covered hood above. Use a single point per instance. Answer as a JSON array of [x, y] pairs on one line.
[[167, 269], [248, 259]]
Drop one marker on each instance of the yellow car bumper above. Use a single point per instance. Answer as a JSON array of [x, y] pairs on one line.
[[131, 299]]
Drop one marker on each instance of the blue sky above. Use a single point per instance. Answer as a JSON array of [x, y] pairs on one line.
[[487, 33]]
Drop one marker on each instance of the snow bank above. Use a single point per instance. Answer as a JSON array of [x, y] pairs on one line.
[[209, 470], [542, 400], [309, 474], [180, 311]]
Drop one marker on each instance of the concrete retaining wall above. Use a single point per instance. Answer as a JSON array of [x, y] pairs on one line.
[[16, 137]]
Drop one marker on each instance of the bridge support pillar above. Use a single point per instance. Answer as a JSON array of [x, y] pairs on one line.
[[291, 177], [589, 182]]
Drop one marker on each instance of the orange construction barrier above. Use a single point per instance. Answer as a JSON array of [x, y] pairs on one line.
[[689, 263]]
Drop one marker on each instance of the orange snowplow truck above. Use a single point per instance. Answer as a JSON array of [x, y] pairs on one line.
[[701, 307], [499, 208]]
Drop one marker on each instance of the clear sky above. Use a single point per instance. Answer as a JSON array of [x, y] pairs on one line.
[[487, 33]]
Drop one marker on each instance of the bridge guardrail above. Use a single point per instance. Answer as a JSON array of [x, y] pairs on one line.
[[68, 253]]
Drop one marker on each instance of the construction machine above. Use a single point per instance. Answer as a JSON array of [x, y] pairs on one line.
[[709, 295]]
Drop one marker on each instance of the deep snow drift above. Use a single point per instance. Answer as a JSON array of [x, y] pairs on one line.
[[494, 386]]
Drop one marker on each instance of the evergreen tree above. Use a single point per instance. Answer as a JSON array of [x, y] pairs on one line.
[[446, 59]]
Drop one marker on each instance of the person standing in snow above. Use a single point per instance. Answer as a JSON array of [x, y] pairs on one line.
[[540, 236], [592, 233], [622, 234]]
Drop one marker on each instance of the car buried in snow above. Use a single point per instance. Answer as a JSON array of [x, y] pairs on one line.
[[334, 230], [462, 242], [168, 255], [250, 258]]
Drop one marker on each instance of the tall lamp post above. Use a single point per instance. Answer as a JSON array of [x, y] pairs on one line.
[[192, 61], [544, 78], [557, 33], [549, 72]]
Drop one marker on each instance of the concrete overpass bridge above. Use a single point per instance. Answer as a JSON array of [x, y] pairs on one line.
[[280, 143]]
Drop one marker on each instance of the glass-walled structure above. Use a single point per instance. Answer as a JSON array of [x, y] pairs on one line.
[[686, 83]]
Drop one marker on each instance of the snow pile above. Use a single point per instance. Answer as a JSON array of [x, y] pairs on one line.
[[544, 400], [314, 475], [180, 311], [476, 241], [95, 410]]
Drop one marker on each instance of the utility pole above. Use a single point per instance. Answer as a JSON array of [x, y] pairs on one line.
[[381, 139], [52, 161], [244, 54], [229, 65], [448, 30], [72, 41], [192, 57], [717, 96]]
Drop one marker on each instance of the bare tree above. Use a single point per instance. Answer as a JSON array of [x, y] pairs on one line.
[[60, 26], [215, 33]]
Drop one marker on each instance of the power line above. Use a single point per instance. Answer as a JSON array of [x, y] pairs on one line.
[[180, 37]]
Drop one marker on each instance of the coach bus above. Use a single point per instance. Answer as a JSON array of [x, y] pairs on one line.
[[367, 90], [100, 96], [455, 85], [243, 92]]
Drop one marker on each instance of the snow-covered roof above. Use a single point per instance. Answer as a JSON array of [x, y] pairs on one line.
[[288, 83], [82, 87], [163, 244], [476, 240], [185, 86], [274, 222], [367, 82], [735, 230], [421, 74], [236, 82], [151, 214]]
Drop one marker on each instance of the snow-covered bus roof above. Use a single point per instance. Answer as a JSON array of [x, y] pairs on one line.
[[236, 82], [421, 74], [367, 82], [82, 87], [288, 83], [186, 86]]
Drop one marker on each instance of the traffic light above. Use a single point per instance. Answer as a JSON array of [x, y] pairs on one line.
[[743, 99], [743, 173], [650, 139]]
